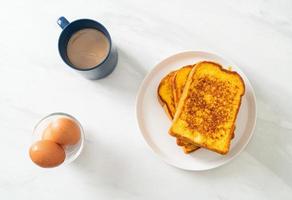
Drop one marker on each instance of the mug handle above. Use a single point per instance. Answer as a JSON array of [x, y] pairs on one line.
[[63, 22]]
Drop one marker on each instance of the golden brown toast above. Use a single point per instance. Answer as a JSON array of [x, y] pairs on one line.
[[165, 94], [187, 147], [179, 81], [208, 107], [166, 98], [178, 85]]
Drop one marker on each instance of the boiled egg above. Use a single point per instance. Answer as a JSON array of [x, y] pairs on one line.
[[63, 131], [46, 153]]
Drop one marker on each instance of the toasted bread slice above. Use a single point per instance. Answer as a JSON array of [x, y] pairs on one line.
[[208, 107], [179, 81], [165, 94], [187, 147], [178, 85]]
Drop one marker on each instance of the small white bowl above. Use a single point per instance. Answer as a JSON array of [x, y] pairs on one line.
[[71, 151]]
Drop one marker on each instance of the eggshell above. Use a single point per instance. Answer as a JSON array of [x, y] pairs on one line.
[[46, 153], [63, 131]]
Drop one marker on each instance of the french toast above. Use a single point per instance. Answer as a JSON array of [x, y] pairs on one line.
[[178, 84], [165, 95], [187, 147], [179, 81], [208, 107]]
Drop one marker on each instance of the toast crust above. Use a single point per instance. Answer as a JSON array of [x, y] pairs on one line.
[[224, 148], [178, 84], [179, 81], [167, 106], [186, 146], [166, 100]]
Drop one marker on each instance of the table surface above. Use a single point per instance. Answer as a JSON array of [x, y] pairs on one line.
[[116, 162]]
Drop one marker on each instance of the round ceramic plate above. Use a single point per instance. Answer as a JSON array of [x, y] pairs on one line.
[[154, 123]]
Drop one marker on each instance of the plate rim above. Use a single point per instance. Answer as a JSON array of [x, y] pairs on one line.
[[138, 108]]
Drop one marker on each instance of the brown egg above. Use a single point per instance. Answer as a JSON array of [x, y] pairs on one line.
[[47, 154], [63, 131]]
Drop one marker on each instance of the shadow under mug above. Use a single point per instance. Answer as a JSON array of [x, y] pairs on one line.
[[101, 70]]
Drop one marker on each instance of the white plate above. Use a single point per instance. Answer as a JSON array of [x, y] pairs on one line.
[[154, 123]]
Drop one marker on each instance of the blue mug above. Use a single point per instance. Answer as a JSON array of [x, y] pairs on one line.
[[97, 72]]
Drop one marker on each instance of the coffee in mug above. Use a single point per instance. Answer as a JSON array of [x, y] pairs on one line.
[[87, 48]]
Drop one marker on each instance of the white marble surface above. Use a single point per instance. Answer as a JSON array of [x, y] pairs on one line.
[[116, 162]]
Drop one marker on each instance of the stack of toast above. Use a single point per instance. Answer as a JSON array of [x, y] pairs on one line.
[[202, 100]]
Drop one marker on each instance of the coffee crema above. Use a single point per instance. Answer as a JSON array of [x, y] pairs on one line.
[[87, 48]]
